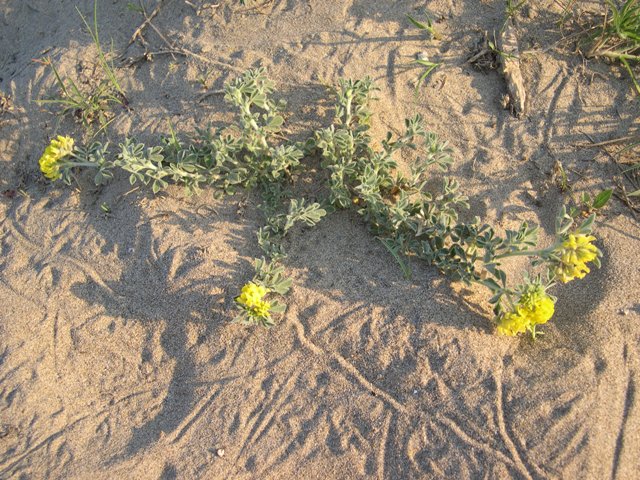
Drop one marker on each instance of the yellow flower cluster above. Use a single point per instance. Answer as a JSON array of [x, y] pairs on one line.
[[535, 307], [58, 149], [575, 253], [251, 298]]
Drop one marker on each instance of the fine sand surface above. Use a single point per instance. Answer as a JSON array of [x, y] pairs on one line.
[[117, 356]]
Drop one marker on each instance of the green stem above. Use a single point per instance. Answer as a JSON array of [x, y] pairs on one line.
[[633, 77], [510, 300], [506, 293], [527, 253], [256, 128], [347, 109], [619, 56], [68, 164]]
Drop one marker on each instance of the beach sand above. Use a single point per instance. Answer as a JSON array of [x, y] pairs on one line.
[[118, 359]]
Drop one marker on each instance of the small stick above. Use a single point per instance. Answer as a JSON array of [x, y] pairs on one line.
[[205, 207], [481, 53], [147, 21], [605, 143], [176, 50], [210, 93], [622, 197], [187, 53], [162, 37], [625, 199]]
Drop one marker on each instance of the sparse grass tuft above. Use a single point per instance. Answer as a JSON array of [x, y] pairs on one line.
[[106, 65], [422, 60], [613, 33], [428, 68], [427, 26], [88, 105], [512, 7], [619, 36]]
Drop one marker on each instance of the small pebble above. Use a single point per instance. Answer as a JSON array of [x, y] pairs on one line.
[[220, 452], [622, 311]]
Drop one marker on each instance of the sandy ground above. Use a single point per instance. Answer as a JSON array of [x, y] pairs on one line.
[[117, 355]]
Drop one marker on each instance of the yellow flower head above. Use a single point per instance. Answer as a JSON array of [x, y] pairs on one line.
[[62, 146], [575, 253], [261, 309], [535, 307], [513, 323], [251, 295], [58, 149]]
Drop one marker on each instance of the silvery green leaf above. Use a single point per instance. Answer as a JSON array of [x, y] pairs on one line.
[[587, 225], [277, 307]]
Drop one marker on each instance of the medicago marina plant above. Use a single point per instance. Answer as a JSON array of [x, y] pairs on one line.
[[412, 220], [402, 211], [246, 155]]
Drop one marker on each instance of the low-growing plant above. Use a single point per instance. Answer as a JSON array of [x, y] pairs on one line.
[[422, 60], [403, 210], [589, 204], [271, 236], [412, 220], [240, 156], [252, 303], [427, 26], [512, 7]]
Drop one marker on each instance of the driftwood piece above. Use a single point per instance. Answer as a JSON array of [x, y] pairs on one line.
[[510, 63]]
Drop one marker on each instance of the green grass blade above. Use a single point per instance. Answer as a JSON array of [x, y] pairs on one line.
[[104, 63], [631, 74], [393, 250], [418, 24]]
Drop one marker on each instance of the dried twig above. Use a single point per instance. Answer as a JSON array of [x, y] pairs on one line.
[[172, 49], [209, 94], [621, 194], [479, 55], [614, 141], [147, 20]]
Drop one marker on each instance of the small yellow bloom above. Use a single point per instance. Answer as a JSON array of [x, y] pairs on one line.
[[535, 307], [251, 295], [513, 323], [262, 309], [56, 150], [62, 146], [575, 253], [49, 165]]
